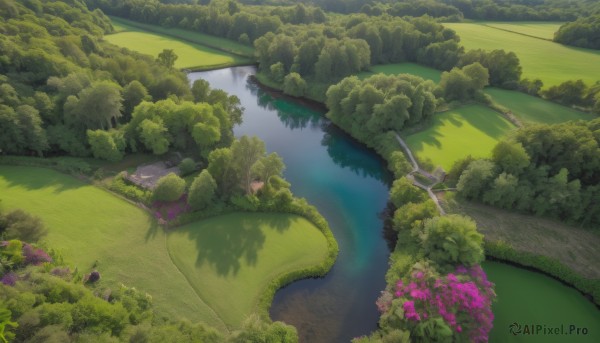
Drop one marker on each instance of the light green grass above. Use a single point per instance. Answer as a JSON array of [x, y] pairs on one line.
[[404, 68], [533, 109], [214, 42], [550, 62], [469, 130], [88, 224], [539, 29], [230, 259], [190, 55]]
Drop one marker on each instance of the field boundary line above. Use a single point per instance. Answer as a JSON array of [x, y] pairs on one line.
[[191, 285], [518, 33]]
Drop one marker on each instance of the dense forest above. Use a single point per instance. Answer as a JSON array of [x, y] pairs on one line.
[[583, 32]]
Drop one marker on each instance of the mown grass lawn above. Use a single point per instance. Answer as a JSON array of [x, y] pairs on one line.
[[533, 109], [230, 259], [550, 62], [469, 130], [222, 264], [219, 43], [190, 55], [539, 29]]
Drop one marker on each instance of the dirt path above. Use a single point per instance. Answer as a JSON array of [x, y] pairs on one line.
[[418, 170]]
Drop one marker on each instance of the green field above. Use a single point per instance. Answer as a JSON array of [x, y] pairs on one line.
[[215, 42], [550, 62], [190, 55], [230, 259], [543, 30], [403, 68], [469, 130], [219, 266], [533, 109]]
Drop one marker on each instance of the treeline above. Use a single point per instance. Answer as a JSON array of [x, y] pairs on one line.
[[583, 32], [548, 170], [574, 93], [65, 91]]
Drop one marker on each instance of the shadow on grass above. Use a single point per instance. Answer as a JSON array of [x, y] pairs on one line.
[[228, 243], [36, 178]]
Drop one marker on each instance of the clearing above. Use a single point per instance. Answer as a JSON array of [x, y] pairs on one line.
[[403, 68], [529, 108], [550, 62], [230, 259], [192, 53], [575, 247], [468, 130], [91, 226]]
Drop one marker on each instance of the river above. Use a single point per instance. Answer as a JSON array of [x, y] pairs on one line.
[[349, 185]]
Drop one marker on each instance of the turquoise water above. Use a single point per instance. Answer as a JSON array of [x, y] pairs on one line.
[[349, 186]]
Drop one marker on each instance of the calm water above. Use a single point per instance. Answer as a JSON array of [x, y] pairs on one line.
[[349, 185]]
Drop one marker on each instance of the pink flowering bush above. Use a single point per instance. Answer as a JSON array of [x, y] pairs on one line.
[[456, 305]]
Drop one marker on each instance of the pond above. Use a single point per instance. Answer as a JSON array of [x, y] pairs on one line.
[[349, 185]]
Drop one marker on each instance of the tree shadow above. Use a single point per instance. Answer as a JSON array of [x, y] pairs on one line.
[[35, 178], [227, 245]]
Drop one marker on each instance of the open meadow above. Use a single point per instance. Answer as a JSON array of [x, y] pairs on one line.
[[469, 130], [529, 108], [550, 62], [219, 268], [191, 52], [538, 29]]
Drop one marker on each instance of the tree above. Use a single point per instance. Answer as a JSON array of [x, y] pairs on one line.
[[294, 85], [133, 94], [202, 191], [277, 72], [95, 107], [168, 188], [104, 146], [267, 167], [511, 157], [220, 164], [403, 192], [200, 90], [245, 152], [452, 240], [474, 180], [21, 225], [153, 135], [167, 58]]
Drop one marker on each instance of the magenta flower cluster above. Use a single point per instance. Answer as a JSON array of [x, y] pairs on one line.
[[463, 299], [170, 210], [35, 256]]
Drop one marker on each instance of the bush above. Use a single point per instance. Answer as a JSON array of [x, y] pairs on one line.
[[202, 191], [168, 188], [187, 166], [452, 240], [120, 186], [18, 224]]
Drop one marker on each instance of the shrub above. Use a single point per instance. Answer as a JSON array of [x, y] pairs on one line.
[[187, 166], [168, 188], [120, 186], [452, 240], [202, 191], [18, 224]]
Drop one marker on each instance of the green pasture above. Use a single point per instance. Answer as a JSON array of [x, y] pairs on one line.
[[533, 109], [550, 62], [214, 42], [539, 29], [219, 266], [230, 259], [403, 68], [190, 55], [469, 130]]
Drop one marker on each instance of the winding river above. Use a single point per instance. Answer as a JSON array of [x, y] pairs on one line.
[[349, 185]]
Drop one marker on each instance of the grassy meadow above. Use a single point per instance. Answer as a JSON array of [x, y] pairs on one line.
[[219, 43], [533, 109], [468, 130], [230, 259], [191, 55], [550, 62], [538, 29], [91, 226]]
